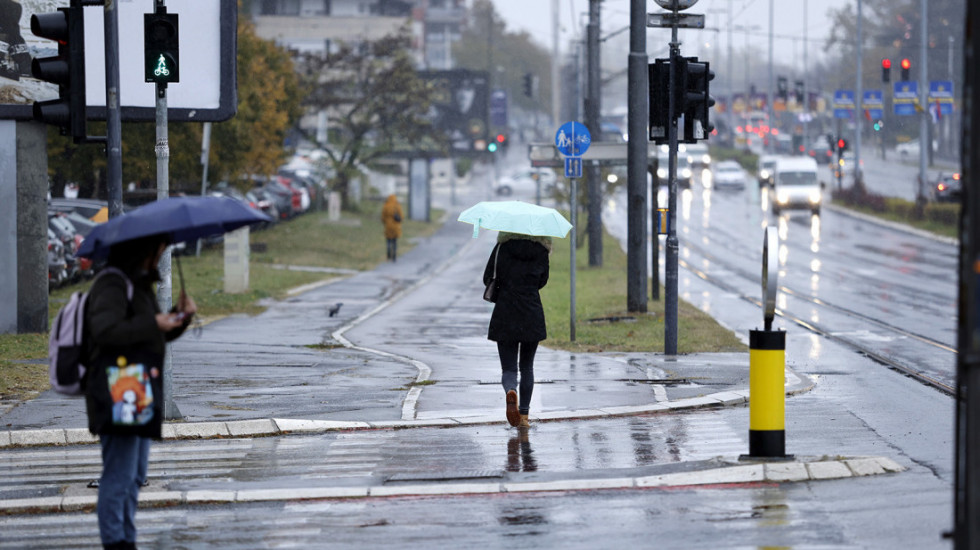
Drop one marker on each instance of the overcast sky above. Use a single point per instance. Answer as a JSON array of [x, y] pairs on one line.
[[535, 17]]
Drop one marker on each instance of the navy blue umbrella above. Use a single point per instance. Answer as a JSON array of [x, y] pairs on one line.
[[181, 218]]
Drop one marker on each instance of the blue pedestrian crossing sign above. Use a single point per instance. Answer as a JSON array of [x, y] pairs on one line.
[[573, 139], [573, 167]]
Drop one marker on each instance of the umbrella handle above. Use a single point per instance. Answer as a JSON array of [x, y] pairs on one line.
[[476, 228]]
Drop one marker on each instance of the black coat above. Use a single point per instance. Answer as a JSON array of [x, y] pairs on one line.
[[522, 269], [114, 326]]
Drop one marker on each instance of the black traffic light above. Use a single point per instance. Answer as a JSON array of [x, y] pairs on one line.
[[798, 91], [67, 70], [906, 65], [659, 86], [161, 47], [886, 70], [782, 88], [696, 98], [529, 84]]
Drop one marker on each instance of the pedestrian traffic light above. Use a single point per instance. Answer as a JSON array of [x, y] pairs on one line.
[[161, 47], [528, 84], [886, 70], [658, 74], [906, 65], [66, 70], [695, 98]]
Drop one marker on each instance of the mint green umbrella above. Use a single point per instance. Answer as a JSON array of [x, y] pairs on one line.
[[516, 217]]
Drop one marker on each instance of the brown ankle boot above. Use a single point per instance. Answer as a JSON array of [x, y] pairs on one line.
[[513, 415], [523, 423]]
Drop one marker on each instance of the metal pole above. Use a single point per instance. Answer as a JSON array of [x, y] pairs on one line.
[[925, 146], [205, 157], [592, 121], [555, 87], [770, 99], [858, 100], [165, 288], [573, 184], [670, 274], [806, 95], [636, 159], [113, 115], [966, 497]]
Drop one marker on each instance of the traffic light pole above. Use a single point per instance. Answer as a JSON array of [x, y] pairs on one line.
[[670, 271], [165, 288], [113, 115], [636, 163]]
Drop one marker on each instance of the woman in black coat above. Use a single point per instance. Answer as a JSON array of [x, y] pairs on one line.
[[517, 323]]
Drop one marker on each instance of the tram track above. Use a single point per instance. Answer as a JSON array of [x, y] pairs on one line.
[[894, 363]]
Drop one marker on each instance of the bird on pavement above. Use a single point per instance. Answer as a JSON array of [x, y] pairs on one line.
[[335, 309]]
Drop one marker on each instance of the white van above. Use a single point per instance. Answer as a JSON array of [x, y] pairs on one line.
[[795, 185]]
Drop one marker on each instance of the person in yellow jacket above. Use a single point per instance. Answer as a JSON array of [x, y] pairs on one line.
[[391, 216]]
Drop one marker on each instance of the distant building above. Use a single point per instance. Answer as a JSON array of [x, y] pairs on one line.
[[319, 26]]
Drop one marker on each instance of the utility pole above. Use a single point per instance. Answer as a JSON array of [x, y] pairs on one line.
[[966, 496], [769, 98], [925, 144], [592, 107], [113, 116], [670, 271], [858, 100], [636, 159], [555, 86]]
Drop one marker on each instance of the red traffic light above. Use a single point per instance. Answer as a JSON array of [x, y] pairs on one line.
[[841, 144], [906, 64], [501, 138], [886, 63]]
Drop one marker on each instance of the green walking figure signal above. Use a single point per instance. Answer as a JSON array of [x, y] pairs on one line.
[[161, 47]]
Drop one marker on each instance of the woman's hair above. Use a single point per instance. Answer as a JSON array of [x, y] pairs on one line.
[[128, 256], [504, 236]]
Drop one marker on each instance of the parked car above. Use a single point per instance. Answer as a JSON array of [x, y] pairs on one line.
[[949, 188], [283, 197], [728, 174], [92, 209], [260, 199]]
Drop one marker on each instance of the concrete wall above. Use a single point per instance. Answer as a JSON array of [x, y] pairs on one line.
[[23, 227]]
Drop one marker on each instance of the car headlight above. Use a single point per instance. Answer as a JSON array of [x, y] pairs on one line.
[[782, 198], [706, 159], [661, 173], [686, 173], [764, 174], [815, 197], [612, 178]]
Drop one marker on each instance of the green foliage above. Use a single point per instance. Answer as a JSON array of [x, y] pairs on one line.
[[374, 100], [939, 218], [747, 159]]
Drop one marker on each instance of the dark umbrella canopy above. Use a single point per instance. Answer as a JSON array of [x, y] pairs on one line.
[[181, 218]]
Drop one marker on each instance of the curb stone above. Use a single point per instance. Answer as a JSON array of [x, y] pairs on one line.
[[730, 472]]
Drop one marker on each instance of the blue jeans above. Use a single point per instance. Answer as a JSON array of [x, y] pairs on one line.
[[124, 464], [514, 355]]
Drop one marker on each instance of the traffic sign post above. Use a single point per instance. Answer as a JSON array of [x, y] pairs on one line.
[[573, 139]]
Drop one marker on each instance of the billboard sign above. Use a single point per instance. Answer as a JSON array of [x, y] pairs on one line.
[[208, 36], [460, 107]]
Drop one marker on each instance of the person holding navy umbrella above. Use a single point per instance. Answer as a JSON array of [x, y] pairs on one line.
[[125, 341]]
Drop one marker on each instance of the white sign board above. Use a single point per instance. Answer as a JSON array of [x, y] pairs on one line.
[[207, 90]]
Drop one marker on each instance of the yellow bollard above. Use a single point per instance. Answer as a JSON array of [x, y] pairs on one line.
[[767, 394]]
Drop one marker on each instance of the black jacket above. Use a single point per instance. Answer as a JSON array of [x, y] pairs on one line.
[[115, 326], [522, 269]]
